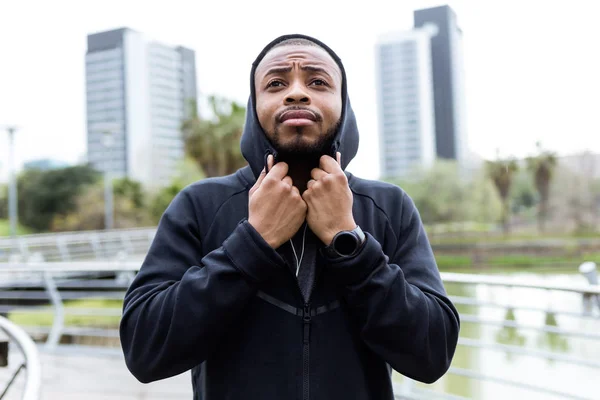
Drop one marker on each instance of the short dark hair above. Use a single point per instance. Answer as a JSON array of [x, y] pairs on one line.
[[296, 42]]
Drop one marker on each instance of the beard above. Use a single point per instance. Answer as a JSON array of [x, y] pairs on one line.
[[297, 151]]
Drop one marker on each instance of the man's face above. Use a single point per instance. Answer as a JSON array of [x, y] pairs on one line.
[[298, 98]]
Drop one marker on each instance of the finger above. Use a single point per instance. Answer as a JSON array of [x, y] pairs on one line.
[[261, 177], [329, 165], [317, 173], [270, 161], [339, 158], [279, 171], [288, 180], [310, 183]]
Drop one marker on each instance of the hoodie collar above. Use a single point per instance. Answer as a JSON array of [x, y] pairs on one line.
[[256, 147]]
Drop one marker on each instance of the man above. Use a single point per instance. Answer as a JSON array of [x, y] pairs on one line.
[[291, 279]]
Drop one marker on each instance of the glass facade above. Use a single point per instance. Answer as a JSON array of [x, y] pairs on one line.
[[137, 89]]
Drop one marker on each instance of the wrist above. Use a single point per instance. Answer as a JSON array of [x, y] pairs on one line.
[[345, 226], [272, 242]]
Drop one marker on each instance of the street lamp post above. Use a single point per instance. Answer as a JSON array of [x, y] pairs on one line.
[[12, 185], [107, 141]]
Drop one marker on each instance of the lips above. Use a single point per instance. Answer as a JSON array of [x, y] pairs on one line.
[[298, 114]]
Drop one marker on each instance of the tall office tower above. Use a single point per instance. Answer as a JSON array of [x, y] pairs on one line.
[[405, 101], [138, 93], [448, 82]]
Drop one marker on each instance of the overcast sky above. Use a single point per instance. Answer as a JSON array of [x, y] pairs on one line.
[[532, 67]]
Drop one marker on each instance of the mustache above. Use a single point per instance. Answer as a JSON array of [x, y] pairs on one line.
[[279, 115]]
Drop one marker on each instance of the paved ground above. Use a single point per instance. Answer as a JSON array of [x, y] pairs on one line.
[[93, 377], [80, 374]]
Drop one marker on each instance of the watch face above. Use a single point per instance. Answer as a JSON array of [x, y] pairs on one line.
[[345, 244]]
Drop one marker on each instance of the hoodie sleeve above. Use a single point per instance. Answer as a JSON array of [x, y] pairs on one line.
[[180, 303], [400, 302]]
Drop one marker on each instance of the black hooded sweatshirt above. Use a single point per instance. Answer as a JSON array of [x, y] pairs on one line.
[[212, 296]]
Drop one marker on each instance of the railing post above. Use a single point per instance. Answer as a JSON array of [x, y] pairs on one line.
[[95, 242], [62, 248], [588, 270], [58, 322]]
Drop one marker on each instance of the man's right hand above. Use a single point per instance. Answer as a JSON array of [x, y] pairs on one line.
[[276, 209]]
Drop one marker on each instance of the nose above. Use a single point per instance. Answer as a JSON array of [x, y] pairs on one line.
[[297, 94]]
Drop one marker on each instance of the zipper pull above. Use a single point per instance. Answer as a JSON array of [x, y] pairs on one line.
[[306, 317]]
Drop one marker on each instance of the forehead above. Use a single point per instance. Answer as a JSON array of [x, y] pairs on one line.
[[303, 54]]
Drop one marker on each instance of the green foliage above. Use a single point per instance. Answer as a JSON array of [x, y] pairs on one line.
[[442, 195], [214, 144], [130, 190], [5, 228], [88, 213], [44, 195], [502, 172], [523, 195], [542, 167], [188, 173], [3, 201]]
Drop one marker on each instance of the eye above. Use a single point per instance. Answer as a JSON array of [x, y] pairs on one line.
[[275, 83], [319, 82]]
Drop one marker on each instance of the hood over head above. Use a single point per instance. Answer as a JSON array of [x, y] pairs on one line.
[[256, 146]]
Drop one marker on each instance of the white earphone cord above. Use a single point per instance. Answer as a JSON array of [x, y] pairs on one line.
[[299, 262]]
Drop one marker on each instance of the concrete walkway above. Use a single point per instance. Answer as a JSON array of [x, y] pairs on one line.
[[68, 376]]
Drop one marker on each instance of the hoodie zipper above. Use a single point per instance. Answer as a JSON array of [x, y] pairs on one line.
[[306, 323], [306, 352]]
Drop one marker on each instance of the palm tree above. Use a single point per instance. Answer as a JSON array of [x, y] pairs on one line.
[[214, 144], [542, 167], [502, 172]]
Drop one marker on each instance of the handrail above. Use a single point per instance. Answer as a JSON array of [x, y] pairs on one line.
[[59, 282], [452, 277], [447, 277], [33, 368]]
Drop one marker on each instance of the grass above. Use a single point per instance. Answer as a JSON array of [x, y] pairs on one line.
[[513, 238], [44, 316], [516, 262], [5, 228]]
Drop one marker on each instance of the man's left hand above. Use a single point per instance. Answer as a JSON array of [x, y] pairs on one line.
[[329, 200]]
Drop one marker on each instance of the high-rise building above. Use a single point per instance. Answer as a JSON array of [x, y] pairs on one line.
[[448, 82], [138, 93], [405, 101], [421, 94]]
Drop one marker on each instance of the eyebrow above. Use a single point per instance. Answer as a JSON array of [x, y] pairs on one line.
[[286, 70]]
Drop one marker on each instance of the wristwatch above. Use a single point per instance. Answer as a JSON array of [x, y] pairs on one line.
[[345, 243]]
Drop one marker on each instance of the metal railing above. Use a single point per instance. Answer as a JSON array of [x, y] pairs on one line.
[[57, 289], [77, 246], [31, 361]]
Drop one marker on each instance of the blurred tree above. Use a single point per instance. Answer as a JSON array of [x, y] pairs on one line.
[[162, 199], [129, 189], [3, 202], [542, 167], [89, 210], [575, 196], [502, 172], [44, 195], [456, 199], [188, 172], [214, 143], [523, 195]]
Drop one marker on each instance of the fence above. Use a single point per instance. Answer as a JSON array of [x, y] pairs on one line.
[[65, 305], [77, 246]]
